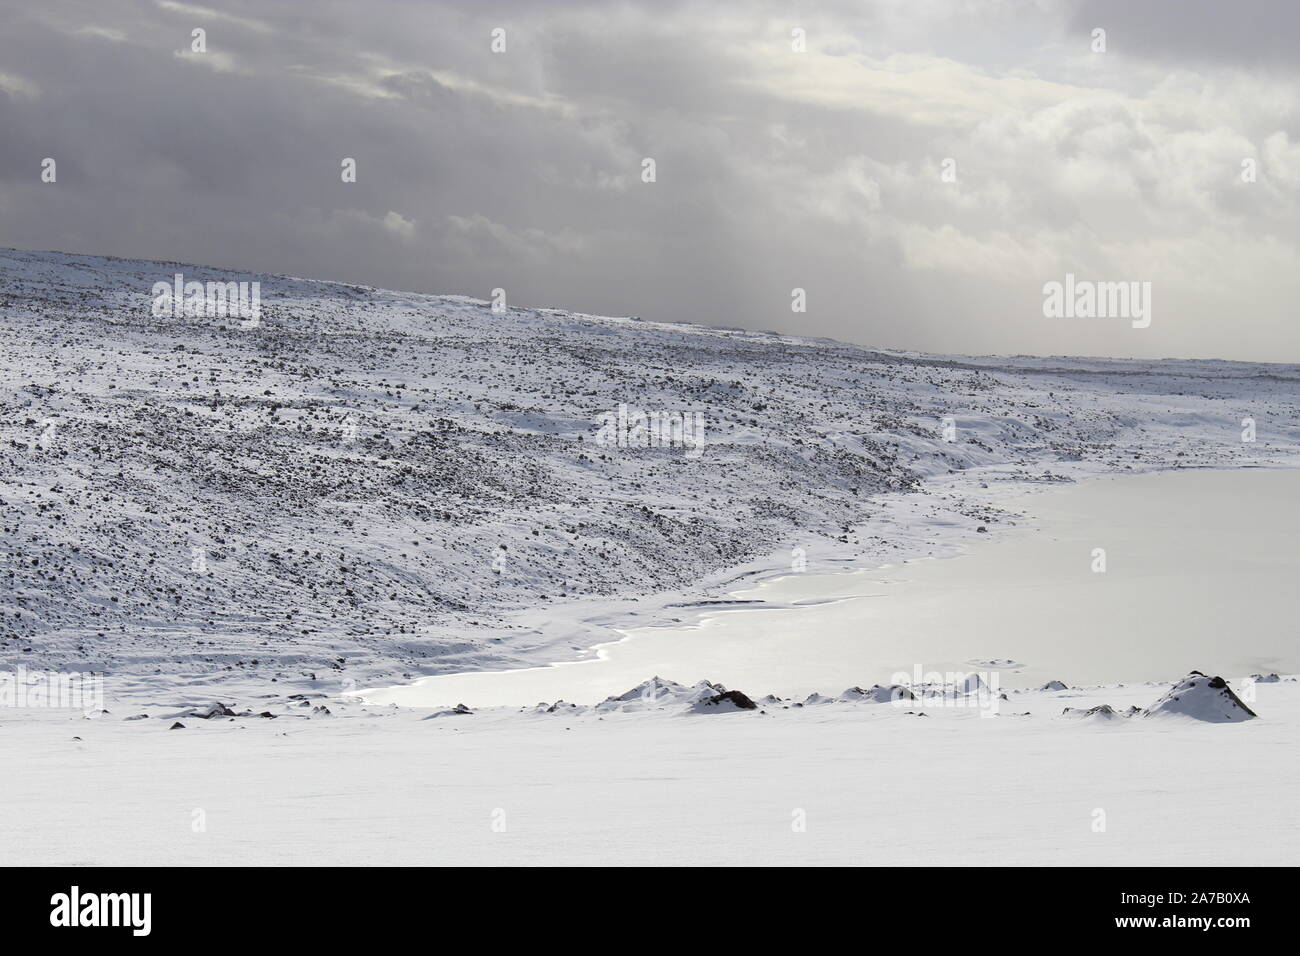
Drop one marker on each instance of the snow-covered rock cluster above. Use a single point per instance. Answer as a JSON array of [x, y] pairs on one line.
[[1196, 697], [658, 694], [1202, 698]]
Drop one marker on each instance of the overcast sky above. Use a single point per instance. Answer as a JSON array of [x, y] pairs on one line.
[[775, 169]]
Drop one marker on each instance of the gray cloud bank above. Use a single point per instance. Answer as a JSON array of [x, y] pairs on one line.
[[775, 168]]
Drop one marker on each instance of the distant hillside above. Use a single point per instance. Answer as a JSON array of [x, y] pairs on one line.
[[377, 481]]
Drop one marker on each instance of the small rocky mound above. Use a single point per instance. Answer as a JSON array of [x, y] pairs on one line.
[[559, 707], [726, 701], [879, 694], [460, 710], [814, 699], [1202, 698], [659, 694], [1055, 685], [214, 709], [1099, 713], [656, 690]]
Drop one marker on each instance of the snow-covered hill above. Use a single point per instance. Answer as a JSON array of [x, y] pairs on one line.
[[374, 484]]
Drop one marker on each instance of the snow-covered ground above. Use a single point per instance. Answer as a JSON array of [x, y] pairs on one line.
[[848, 782], [372, 486], [382, 485], [1117, 579]]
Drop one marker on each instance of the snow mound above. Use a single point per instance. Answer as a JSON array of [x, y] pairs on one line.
[[878, 694], [214, 709], [1202, 698], [815, 698], [1101, 713], [656, 690], [657, 693], [459, 710], [559, 707]]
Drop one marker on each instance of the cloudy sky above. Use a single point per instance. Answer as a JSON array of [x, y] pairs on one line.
[[775, 168]]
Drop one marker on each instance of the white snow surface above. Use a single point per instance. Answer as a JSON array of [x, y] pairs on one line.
[[334, 564], [848, 781]]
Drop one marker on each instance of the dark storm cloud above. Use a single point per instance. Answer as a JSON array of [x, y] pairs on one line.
[[775, 169]]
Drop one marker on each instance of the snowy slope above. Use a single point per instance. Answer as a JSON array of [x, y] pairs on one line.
[[471, 519]]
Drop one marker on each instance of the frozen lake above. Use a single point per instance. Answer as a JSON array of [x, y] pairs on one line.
[[1201, 571]]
